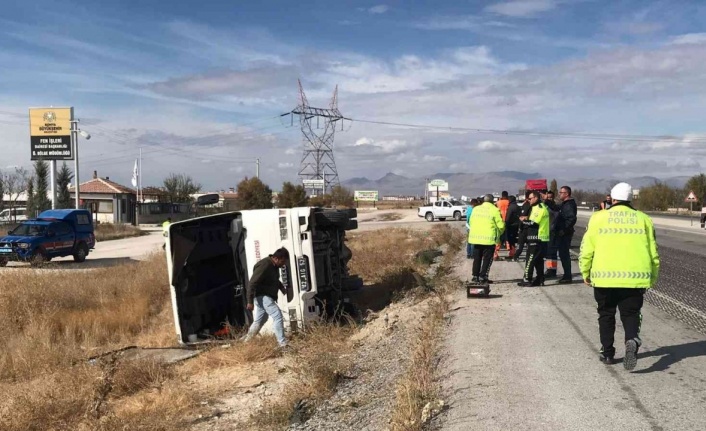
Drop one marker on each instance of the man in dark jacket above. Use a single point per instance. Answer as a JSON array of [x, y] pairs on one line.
[[564, 230], [262, 290], [512, 224]]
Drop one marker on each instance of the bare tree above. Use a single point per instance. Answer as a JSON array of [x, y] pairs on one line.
[[180, 187], [15, 183]]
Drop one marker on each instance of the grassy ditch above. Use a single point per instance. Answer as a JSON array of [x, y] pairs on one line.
[[51, 322], [420, 385], [110, 231]]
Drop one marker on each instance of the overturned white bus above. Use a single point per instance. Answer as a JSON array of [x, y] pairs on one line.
[[210, 260]]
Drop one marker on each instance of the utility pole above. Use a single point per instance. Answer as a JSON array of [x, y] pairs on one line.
[[317, 161], [74, 138], [257, 167]]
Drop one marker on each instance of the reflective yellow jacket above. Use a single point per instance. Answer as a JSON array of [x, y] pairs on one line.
[[619, 249], [539, 215], [486, 225]]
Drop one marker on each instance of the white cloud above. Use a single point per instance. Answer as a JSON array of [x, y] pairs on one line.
[[493, 146], [379, 9], [522, 8], [689, 38], [285, 165], [383, 146]]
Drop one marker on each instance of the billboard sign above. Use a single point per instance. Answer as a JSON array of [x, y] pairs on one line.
[[50, 133], [439, 185], [366, 195], [313, 184]]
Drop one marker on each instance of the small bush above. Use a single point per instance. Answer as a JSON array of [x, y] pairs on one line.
[[110, 231]]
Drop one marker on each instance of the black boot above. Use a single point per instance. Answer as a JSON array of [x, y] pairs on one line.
[[550, 273]]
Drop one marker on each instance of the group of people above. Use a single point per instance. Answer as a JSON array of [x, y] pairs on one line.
[[540, 224], [618, 256]]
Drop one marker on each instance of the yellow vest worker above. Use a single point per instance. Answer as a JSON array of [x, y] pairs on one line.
[[540, 216], [165, 227], [619, 259], [486, 226], [537, 228]]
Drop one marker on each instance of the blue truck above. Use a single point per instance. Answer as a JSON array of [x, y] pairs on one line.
[[55, 233]]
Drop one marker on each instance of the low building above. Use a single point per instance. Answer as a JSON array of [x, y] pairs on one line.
[[109, 201]]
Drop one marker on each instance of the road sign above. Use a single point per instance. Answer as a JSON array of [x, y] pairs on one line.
[[313, 184], [439, 185], [691, 197], [366, 195], [50, 133]]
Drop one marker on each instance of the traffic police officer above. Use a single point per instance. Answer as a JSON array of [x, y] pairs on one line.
[[619, 259], [486, 227], [165, 231], [537, 226]]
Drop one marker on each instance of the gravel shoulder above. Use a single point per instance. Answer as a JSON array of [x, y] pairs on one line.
[[527, 359]]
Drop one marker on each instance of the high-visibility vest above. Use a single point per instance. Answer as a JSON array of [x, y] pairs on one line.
[[502, 205], [486, 225], [165, 227], [619, 249], [540, 215]]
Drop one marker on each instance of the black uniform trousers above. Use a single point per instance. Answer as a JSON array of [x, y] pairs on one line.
[[535, 259], [521, 241], [484, 254], [629, 302], [563, 245]]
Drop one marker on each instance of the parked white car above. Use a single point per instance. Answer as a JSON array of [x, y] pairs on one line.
[[13, 215], [442, 210]]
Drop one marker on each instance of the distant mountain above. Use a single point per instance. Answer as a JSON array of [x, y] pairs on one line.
[[476, 184]]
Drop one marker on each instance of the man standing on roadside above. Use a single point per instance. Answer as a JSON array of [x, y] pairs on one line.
[[563, 230], [522, 234], [537, 226], [165, 231], [551, 255], [619, 260], [512, 225], [486, 227], [262, 291], [607, 202], [502, 205], [469, 210]]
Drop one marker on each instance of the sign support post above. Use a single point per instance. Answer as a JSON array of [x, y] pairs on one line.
[[52, 179], [691, 198], [74, 138]]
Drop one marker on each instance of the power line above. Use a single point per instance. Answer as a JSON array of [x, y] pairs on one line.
[[576, 135]]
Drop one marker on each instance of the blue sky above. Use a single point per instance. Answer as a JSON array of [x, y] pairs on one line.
[[199, 85]]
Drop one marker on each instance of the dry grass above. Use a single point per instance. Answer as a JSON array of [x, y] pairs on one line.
[[259, 349], [379, 254], [50, 320], [109, 231], [320, 358], [390, 217], [420, 384]]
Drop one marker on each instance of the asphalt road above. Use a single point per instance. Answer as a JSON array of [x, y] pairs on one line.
[[527, 358]]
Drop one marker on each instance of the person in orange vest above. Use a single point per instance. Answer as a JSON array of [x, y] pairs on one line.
[[502, 205]]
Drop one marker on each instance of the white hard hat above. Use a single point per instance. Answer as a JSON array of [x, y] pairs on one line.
[[622, 192]]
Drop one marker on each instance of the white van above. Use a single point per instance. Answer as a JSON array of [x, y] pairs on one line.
[[210, 260], [12, 215]]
